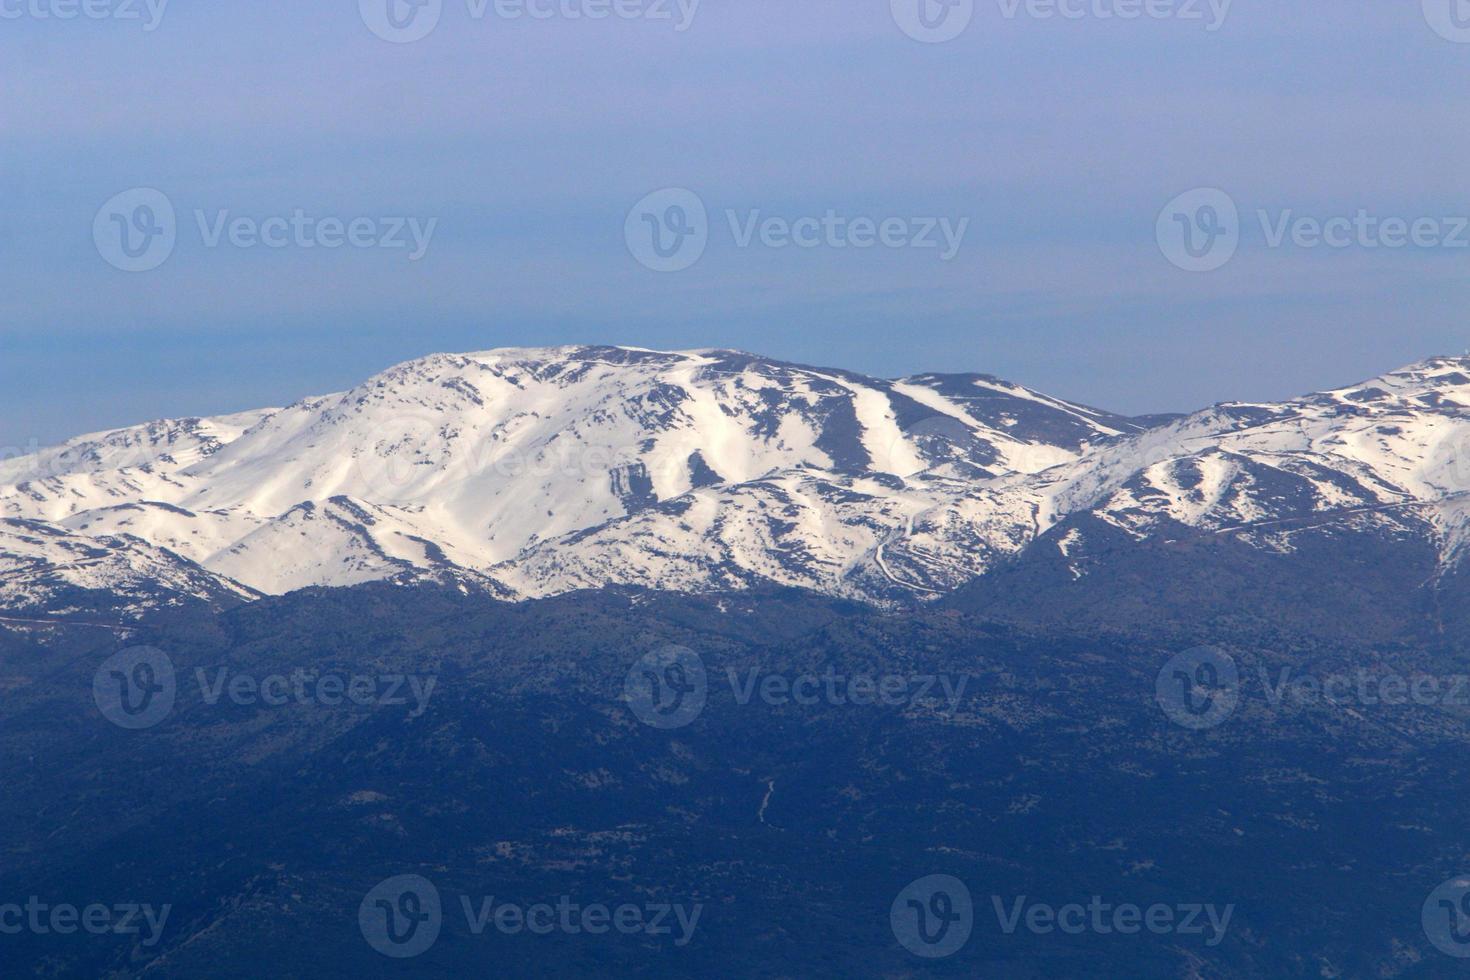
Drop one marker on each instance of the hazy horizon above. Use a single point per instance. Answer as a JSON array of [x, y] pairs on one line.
[[1052, 146], [36, 442]]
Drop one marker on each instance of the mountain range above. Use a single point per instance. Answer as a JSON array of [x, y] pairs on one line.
[[522, 533], [525, 473]]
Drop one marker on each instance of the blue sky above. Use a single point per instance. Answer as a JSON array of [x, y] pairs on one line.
[[1057, 139]]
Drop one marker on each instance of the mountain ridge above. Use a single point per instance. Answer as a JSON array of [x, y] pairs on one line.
[[533, 471]]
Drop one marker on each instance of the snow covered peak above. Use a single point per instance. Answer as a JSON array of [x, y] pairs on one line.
[[166, 443], [531, 471], [1389, 452], [510, 463], [1438, 383]]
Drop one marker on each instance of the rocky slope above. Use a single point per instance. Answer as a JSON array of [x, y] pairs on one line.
[[535, 472], [531, 472]]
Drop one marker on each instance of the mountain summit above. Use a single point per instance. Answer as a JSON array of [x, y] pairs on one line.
[[529, 472]]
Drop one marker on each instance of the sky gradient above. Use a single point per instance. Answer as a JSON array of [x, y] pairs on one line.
[[1057, 139]]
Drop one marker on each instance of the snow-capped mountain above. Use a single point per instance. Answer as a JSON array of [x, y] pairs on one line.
[[1392, 453], [539, 471], [46, 565]]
